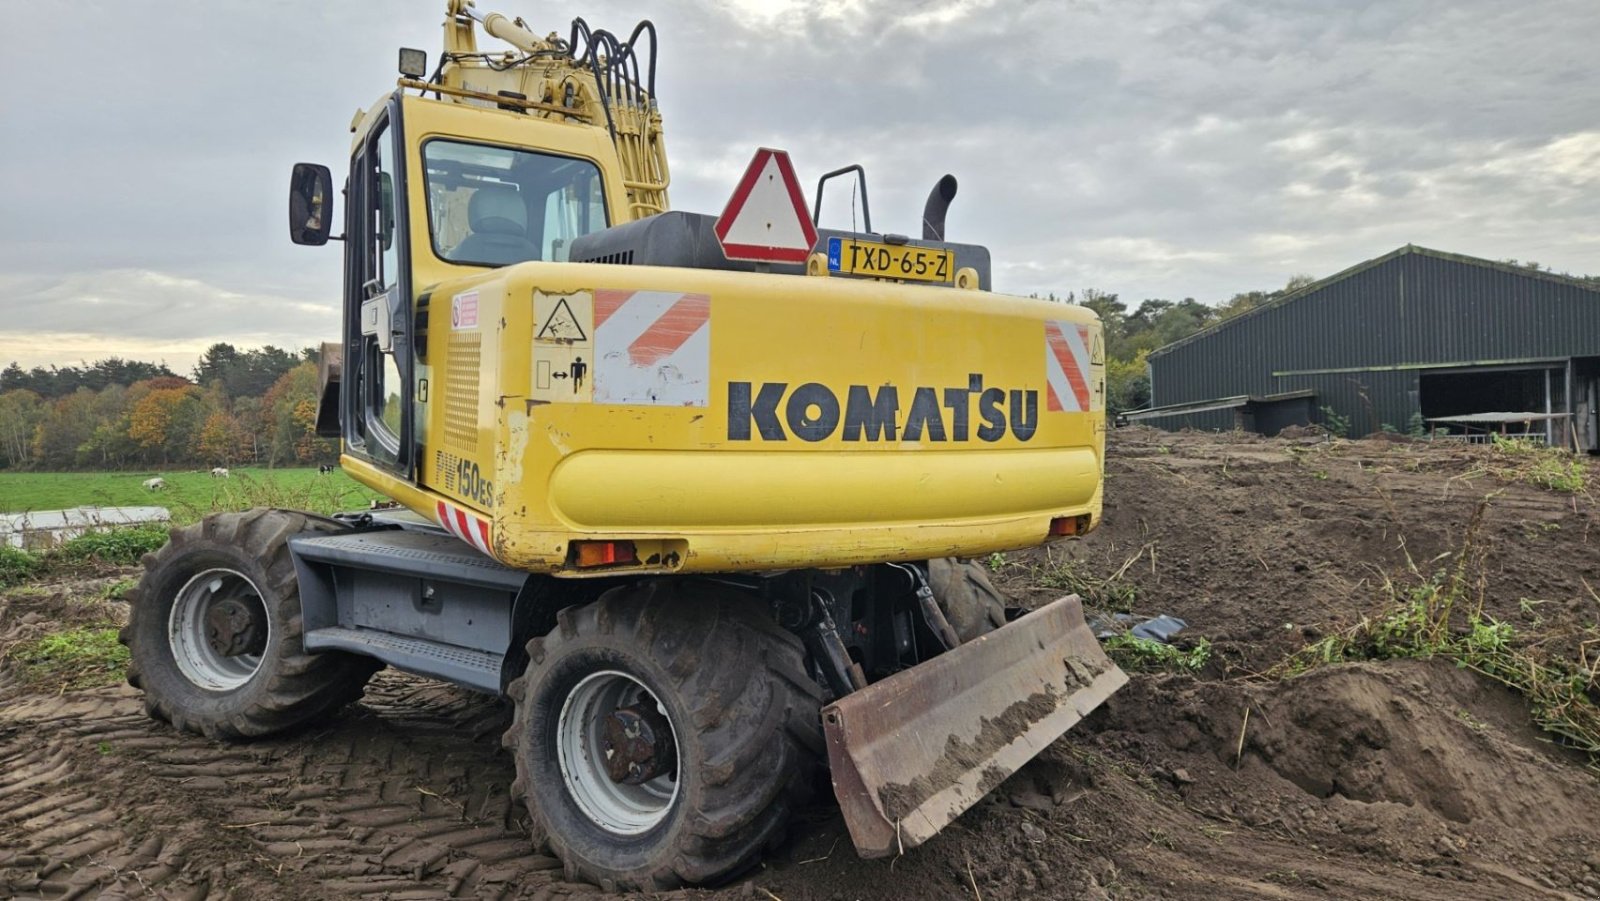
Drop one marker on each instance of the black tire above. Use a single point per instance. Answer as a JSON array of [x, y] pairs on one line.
[[744, 713], [969, 600], [289, 687]]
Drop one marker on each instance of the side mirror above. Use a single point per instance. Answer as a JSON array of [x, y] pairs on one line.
[[310, 204]]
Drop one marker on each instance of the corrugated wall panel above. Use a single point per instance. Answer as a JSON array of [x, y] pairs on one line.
[[1369, 400], [1416, 308]]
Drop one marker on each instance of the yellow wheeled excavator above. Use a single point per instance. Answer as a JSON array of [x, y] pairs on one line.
[[700, 519]]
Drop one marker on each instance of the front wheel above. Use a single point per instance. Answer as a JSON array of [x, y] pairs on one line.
[[215, 636], [664, 734]]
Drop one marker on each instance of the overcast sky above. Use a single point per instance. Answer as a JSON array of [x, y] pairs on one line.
[[1152, 148]]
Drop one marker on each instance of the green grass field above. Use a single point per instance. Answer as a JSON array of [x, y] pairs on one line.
[[189, 495]]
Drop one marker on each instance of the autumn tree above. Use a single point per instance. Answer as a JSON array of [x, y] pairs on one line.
[[222, 440], [68, 425], [108, 445], [289, 410], [21, 411], [166, 421]]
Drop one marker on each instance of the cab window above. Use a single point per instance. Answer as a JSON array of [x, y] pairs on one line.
[[493, 206]]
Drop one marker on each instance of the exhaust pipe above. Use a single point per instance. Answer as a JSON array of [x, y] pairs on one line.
[[938, 204]]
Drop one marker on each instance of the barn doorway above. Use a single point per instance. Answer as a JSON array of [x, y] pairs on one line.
[[1586, 403], [1532, 399]]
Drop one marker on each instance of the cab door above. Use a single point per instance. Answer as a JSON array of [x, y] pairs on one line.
[[378, 383]]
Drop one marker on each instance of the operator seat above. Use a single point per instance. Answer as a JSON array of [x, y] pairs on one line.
[[499, 222]]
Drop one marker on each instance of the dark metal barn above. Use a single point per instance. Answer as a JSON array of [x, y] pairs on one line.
[[1415, 340]]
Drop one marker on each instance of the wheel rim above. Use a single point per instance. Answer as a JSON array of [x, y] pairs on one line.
[[218, 629], [583, 753]]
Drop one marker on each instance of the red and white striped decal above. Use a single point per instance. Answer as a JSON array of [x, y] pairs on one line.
[[465, 526], [652, 347], [1067, 367]]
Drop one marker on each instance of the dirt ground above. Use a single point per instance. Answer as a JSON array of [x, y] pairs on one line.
[[1402, 779]]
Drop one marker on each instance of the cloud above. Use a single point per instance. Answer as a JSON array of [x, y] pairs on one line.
[[143, 314], [1152, 148]]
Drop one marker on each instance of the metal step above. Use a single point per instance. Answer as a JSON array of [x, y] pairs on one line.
[[434, 555], [464, 666], [420, 600]]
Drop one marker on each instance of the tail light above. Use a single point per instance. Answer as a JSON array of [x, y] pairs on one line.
[[587, 554], [1069, 525]]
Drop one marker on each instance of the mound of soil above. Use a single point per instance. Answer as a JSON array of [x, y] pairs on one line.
[[1402, 779], [1265, 544]]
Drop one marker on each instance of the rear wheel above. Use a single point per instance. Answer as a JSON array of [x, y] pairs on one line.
[[969, 600], [663, 735], [215, 634]]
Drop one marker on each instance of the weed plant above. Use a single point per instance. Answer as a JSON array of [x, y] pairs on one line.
[[1441, 616], [1517, 460], [118, 547], [17, 566], [75, 659], [1073, 576], [1131, 652]]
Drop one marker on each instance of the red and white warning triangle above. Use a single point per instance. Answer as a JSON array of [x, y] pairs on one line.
[[766, 220]]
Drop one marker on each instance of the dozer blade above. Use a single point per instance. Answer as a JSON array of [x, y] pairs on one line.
[[911, 752]]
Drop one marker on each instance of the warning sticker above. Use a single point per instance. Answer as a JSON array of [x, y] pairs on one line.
[[561, 324], [652, 347], [1069, 362], [464, 310], [563, 352]]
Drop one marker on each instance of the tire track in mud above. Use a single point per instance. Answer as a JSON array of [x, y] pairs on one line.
[[405, 795]]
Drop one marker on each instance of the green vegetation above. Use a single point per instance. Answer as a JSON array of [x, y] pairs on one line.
[[1516, 460], [1441, 616], [112, 547], [1337, 426], [1074, 576], [189, 495], [79, 658], [118, 547], [1134, 653], [16, 566]]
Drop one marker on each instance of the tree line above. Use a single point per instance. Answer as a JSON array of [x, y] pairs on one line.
[[237, 407], [1130, 335]]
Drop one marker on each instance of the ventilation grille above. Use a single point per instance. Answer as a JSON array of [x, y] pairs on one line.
[[461, 391], [620, 258]]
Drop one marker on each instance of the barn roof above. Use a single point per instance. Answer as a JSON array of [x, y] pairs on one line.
[[1359, 268]]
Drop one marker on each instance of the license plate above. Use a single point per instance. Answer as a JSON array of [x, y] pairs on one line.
[[848, 256]]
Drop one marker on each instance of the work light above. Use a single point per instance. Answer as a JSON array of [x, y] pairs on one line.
[[413, 63]]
